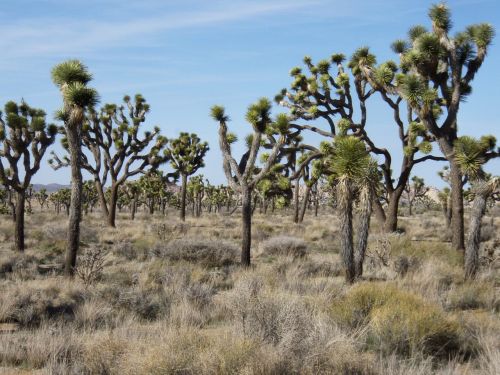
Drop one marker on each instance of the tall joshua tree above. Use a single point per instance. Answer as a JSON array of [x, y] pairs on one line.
[[119, 152], [367, 192], [470, 155], [244, 176], [24, 134], [186, 155], [415, 190], [348, 161], [72, 78], [327, 93], [436, 72]]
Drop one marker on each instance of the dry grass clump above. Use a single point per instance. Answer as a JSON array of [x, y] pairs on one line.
[[47, 346], [32, 302], [474, 295], [398, 321], [285, 246], [204, 252]]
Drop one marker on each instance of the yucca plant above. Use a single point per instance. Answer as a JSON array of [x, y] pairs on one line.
[[72, 77], [244, 176], [24, 139], [348, 160], [434, 76], [471, 154], [186, 154], [112, 136]]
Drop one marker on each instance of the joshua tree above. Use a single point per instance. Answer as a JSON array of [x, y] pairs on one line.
[[324, 94], [347, 159], [72, 77], [41, 196], [119, 152], [186, 155], [61, 198], [196, 190], [244, 176], [444, 200], [470, 155], [367, 192], [131, 190], [24, 134], [435, 75], [414, 191]]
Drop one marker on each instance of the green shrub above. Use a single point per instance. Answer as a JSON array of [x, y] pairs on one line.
[[398, 321], [205, 252], [285, 245], [473, 295]]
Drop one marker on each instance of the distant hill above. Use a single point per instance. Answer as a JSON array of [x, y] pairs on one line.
[[49, 187]]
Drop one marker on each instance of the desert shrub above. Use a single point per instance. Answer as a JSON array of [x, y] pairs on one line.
[[102, 353], [284, 245], [46, 346], [125, 249], [398, 321], [473, 295], [31, 304], [147, 305], [207, 253], [488, 232], [90, 265], [94, 314], [403, 264], [280, 320]]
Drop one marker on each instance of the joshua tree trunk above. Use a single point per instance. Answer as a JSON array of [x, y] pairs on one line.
[[391, 215], [19, 217], [296, 201], [12, 205], [457, 207], [474, 236], [363, 229], [246, 225], [183, 197], [112, 205], [134, 207], [102, 198], [345, 216], [75, 210], [305, 203]]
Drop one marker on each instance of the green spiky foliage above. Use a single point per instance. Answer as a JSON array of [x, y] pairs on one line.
[[435, 75], [61, 198], [155, 189], [129, 193], [244, 176], [186, 154], [196, 191], [42, 197], [330, 92], [24, 139], [415, 190], [348, 162], [72, 77], [90, 196], [471, 154], [117, 149], [275, 185]]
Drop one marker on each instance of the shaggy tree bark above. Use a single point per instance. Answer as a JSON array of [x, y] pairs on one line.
[[365, 203], [75, 208], [482, 191], [346, 233]]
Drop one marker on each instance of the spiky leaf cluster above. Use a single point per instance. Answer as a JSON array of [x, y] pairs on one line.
[[186, 153]]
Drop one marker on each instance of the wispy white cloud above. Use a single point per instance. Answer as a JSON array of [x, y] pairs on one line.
[[54, 36]]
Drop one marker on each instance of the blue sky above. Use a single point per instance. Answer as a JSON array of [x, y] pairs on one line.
[[184, 56]]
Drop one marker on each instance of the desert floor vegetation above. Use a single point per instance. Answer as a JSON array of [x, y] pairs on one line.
[[170, 297]]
